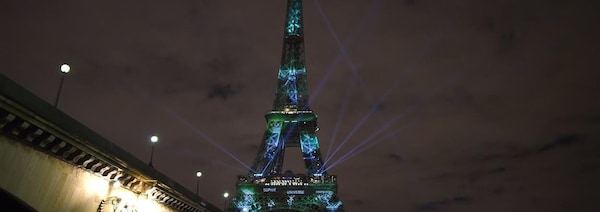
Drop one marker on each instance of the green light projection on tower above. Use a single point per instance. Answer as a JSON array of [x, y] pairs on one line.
[[290, 79], [291, 92], [309, 144], [318, 194], [272, 142], [248, 200], [290, 123], [294, 24]]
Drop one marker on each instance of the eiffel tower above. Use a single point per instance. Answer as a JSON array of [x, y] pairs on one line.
[[291, 123]]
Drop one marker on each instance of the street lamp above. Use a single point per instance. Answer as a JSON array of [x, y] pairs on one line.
[[225, 195], [198, 175], [153, 140], [64, 69]]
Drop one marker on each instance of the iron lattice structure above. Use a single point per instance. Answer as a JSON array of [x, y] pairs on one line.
[[291, 123]]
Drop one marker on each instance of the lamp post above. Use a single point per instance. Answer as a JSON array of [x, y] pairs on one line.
[[64, 69], [225, 195], [153, 140], [198, 175]]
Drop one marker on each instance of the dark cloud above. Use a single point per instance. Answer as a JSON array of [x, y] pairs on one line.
[[509, 36], [461, 199], [579, 119], [589, 168], [221, 66], [476, 176], [410, 2], [563, 141], [222, 91], [356, 202], [395, 157], [439, 204], [498, 190], [470, 175], [492, 102]]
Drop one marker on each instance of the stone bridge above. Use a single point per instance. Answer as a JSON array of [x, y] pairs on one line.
[[51, 162]]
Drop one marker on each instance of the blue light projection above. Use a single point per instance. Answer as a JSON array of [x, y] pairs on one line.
[[248, 202], [325, 198], [290, 200], [294, 18], [309, 143], [290, 123], [271, 203], [290, 85], [272, 143], [334, 206]]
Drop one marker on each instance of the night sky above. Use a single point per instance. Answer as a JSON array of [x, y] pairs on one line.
[[467, 105]]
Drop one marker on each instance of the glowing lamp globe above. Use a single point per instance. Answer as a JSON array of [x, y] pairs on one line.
[[65, 68]]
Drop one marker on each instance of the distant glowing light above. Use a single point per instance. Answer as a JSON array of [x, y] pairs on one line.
[[199, 174], [154, 139], [65, 68], [226, 195]]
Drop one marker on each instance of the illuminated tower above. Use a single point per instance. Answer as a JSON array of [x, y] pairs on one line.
[[291, 123]]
